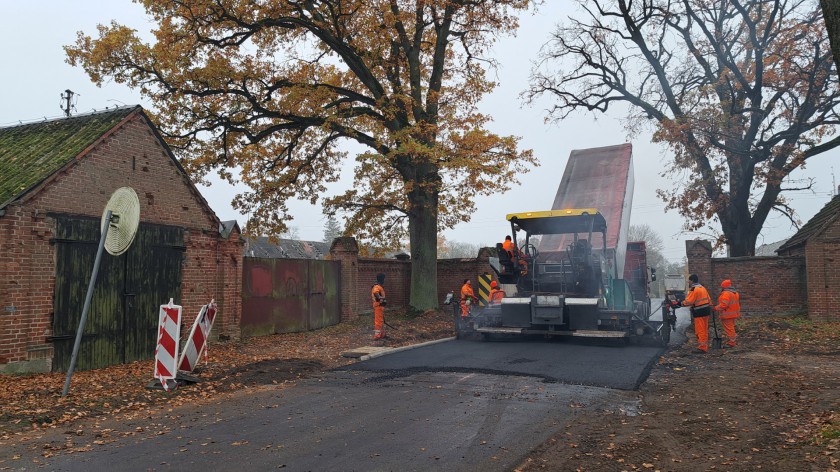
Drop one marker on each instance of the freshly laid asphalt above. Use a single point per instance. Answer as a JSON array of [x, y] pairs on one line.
[[454, 405], [607, 363]]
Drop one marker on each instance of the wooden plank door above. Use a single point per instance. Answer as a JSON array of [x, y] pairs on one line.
[[122, 320]]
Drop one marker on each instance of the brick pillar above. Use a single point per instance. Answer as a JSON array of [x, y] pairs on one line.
[[346, 251], [699, 255], [229, 292]]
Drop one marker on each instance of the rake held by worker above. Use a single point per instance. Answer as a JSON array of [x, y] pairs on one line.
[[717, 341]]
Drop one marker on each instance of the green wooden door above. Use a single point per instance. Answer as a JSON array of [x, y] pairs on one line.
[[122, 320], [152, 277]]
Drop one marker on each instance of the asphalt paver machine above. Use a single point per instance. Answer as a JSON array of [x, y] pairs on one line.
[[573, 292]]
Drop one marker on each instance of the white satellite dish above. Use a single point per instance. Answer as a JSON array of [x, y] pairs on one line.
[[125, 218], [119, 225]]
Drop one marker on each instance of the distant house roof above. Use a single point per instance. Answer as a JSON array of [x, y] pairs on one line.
[[226, 227], [769, 249], [815, 226], [32, 152], [285, 248]]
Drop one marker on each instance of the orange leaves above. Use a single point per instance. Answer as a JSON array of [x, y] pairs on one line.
[[270, 95]]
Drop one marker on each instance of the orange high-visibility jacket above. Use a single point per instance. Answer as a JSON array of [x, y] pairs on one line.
[[467, 292], [377, 294], [496, 296], [508, 246], [698, 297], [729, 304]]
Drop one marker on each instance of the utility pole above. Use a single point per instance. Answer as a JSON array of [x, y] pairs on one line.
[[67, 103]]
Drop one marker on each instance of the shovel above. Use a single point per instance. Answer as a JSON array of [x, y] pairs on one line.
[[717, 342]]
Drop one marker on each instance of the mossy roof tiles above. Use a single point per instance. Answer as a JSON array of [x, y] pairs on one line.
[[32, 152]]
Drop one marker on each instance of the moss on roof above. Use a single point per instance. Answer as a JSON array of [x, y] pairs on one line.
[[32, 152]]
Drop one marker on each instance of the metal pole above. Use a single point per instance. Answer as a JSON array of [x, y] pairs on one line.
[[86, 308]]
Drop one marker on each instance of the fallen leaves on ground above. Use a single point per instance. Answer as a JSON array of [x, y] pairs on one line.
[[769, 404], [32, 402]]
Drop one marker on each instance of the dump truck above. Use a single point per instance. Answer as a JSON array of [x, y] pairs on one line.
[[569, 275]]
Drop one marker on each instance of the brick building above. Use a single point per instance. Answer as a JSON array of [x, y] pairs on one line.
[[55, 179], [818, 242]]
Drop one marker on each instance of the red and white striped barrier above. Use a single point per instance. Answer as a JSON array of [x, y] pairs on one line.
[[166, 353], [197, 342]]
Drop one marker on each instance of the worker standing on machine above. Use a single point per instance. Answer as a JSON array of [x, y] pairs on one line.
[[467, 298], [377, 296], [699, 301], [496, 295], [729, 307], [515, 254], [508, 246]]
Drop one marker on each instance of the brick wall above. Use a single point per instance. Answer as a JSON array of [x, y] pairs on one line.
[[397, 282], [359, 275], [131, 156], [767, 285], [822, 254], [452, 272]]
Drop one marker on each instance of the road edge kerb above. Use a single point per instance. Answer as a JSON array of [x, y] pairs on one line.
[[403, 348]]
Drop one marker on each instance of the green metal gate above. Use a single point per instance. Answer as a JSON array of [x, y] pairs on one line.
[[122, 322]]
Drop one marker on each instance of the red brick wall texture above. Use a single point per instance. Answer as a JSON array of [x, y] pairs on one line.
[[131, 156], [767, 285], [822, 255], [450, 276]]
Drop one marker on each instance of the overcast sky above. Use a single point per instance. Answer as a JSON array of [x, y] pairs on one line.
[[35, 74]]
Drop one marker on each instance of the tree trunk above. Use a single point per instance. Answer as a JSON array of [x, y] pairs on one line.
[[831, 14], [740, 237], [422, 230]]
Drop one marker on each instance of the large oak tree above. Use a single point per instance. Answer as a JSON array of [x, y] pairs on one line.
[[742, 92], [273, 88]]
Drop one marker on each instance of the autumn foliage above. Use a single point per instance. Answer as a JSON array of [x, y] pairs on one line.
[[271, 93]]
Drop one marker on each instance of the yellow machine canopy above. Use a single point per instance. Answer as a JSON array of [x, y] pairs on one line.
[[573, 220]]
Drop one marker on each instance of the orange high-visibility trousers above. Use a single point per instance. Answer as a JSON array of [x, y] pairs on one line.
[[701, 329], [378, 322], [729, 329]]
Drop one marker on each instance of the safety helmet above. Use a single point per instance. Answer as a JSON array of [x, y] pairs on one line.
[[494, 284], [726, 283]]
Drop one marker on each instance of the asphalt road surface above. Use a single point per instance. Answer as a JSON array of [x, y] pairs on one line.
[[456, 405]]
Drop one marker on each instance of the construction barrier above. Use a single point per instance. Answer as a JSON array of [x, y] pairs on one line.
[[197, 342], [166, 353]]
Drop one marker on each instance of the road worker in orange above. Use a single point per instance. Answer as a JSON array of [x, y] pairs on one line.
[[729, 307], [377, 296], [510, 247], [700, 303], [467, 298], [496, 294]]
